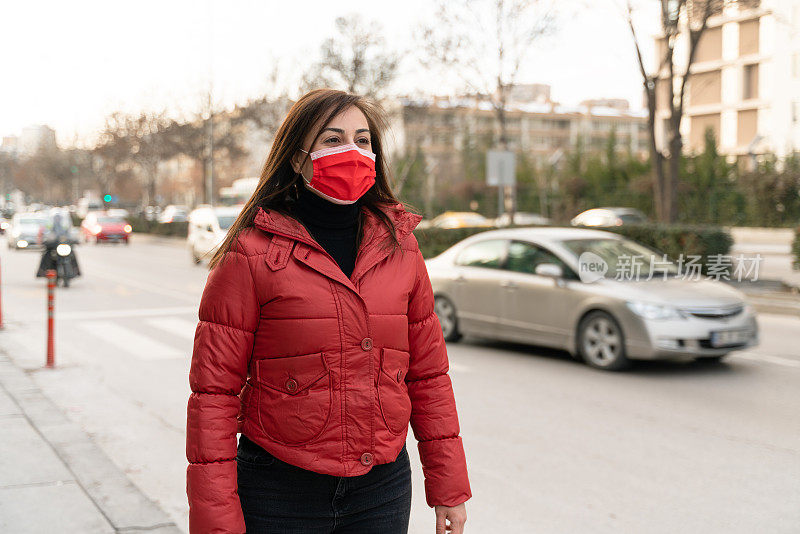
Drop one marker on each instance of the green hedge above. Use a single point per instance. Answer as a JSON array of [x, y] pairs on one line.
[[676, 239], [672, 240], [796, 248], [177, 229]]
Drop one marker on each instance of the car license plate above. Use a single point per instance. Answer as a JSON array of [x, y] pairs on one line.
[[723, 338]]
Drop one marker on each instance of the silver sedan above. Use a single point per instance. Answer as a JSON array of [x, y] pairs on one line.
[[561, 288]]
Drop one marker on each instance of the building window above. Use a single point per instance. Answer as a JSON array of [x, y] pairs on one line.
[[747, 127], [748, 37], [750, 81]]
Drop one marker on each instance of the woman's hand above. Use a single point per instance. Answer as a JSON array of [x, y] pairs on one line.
[[457, 515]]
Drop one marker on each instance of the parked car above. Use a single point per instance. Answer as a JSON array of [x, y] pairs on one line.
[[608, 217], [460, 219], [523, 285], [100, 227], [26, 230], [208, 227], [174, 213], [521, 218]]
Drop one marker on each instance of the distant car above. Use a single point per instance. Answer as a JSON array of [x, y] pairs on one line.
[[100, 226], [150, 213], [523, 285], [26, 230], [460, 219], [208, 227], [521, 218], [174, 213], [609, 217], [118, 212]]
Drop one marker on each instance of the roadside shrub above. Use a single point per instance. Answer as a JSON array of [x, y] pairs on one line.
[[141, 225], [672, 240], [676, 239], [796, 248]]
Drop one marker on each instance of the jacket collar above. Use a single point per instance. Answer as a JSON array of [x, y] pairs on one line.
[[369, 253]]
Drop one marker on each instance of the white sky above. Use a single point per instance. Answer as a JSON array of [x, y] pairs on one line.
[[68, 64]]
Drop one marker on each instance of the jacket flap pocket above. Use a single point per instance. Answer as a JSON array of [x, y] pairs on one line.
[[394, 363], [291, 374]]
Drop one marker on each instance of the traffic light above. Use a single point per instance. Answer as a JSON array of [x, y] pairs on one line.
[[107, 198]]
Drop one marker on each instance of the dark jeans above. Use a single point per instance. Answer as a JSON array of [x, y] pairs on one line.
[[278, 497]]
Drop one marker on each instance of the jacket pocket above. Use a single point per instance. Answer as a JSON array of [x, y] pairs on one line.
[[293, 397], [392, 389]]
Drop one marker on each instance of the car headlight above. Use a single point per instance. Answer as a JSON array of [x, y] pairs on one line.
[[63, 249], [650, 310]]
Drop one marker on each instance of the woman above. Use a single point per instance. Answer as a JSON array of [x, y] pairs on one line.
[[318, 342]]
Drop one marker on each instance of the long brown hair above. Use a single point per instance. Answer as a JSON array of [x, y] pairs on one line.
[[278, 186]]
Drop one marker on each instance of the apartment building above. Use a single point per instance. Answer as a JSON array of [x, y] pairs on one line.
[[745, 80], [443, 127]]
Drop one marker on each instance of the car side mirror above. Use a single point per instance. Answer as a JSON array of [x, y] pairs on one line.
[[549, 269]]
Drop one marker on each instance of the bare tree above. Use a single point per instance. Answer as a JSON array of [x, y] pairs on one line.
[[485, 43], [219, 137], [356, 59], [133, 141], [687, 18]]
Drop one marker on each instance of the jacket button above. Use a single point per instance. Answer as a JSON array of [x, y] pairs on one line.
[[291, 385], [366, 458], [366, 343], [399, 375]]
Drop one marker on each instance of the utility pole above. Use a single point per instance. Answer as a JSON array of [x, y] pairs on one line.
[[210, 155]]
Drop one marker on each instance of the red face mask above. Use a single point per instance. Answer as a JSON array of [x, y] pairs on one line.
[[342, 174]]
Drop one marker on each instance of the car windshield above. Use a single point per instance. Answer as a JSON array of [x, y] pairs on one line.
[[225, 221], [110, 219], [625, 259]]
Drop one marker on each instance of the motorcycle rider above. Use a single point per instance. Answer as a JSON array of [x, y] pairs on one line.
[[59, 233]]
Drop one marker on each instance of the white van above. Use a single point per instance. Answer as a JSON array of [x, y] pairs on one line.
[[208, 227]]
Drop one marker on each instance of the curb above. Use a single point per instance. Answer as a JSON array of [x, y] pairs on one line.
[[112, 493]]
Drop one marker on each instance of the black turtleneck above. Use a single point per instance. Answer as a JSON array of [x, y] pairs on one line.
[[333, 226]]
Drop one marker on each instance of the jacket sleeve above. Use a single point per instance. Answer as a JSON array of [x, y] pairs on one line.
[[223, 343], [434, 420]]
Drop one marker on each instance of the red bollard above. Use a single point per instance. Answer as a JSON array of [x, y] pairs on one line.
[[51, 286]]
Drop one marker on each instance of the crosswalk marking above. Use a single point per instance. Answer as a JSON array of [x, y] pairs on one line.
[[176, 326], [136, 343]]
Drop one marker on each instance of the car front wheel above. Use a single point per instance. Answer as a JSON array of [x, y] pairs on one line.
[[600, 342], [446, 312]]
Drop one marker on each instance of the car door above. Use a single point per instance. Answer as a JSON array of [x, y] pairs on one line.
[[476, 285], [537, 307]]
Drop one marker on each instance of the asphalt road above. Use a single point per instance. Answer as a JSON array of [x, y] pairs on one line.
[[553, 446]]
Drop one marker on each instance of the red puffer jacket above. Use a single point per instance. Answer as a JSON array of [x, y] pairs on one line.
[[322, 371]]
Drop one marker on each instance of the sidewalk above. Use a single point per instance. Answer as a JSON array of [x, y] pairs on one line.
[[53, 478]]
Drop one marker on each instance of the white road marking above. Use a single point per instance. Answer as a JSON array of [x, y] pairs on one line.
[[768, 358], [174, 325], [458, 368], [134, 312], [145, 286], [133, 342]]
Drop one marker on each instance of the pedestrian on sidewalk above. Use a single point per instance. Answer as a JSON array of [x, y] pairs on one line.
[[318, 342]]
